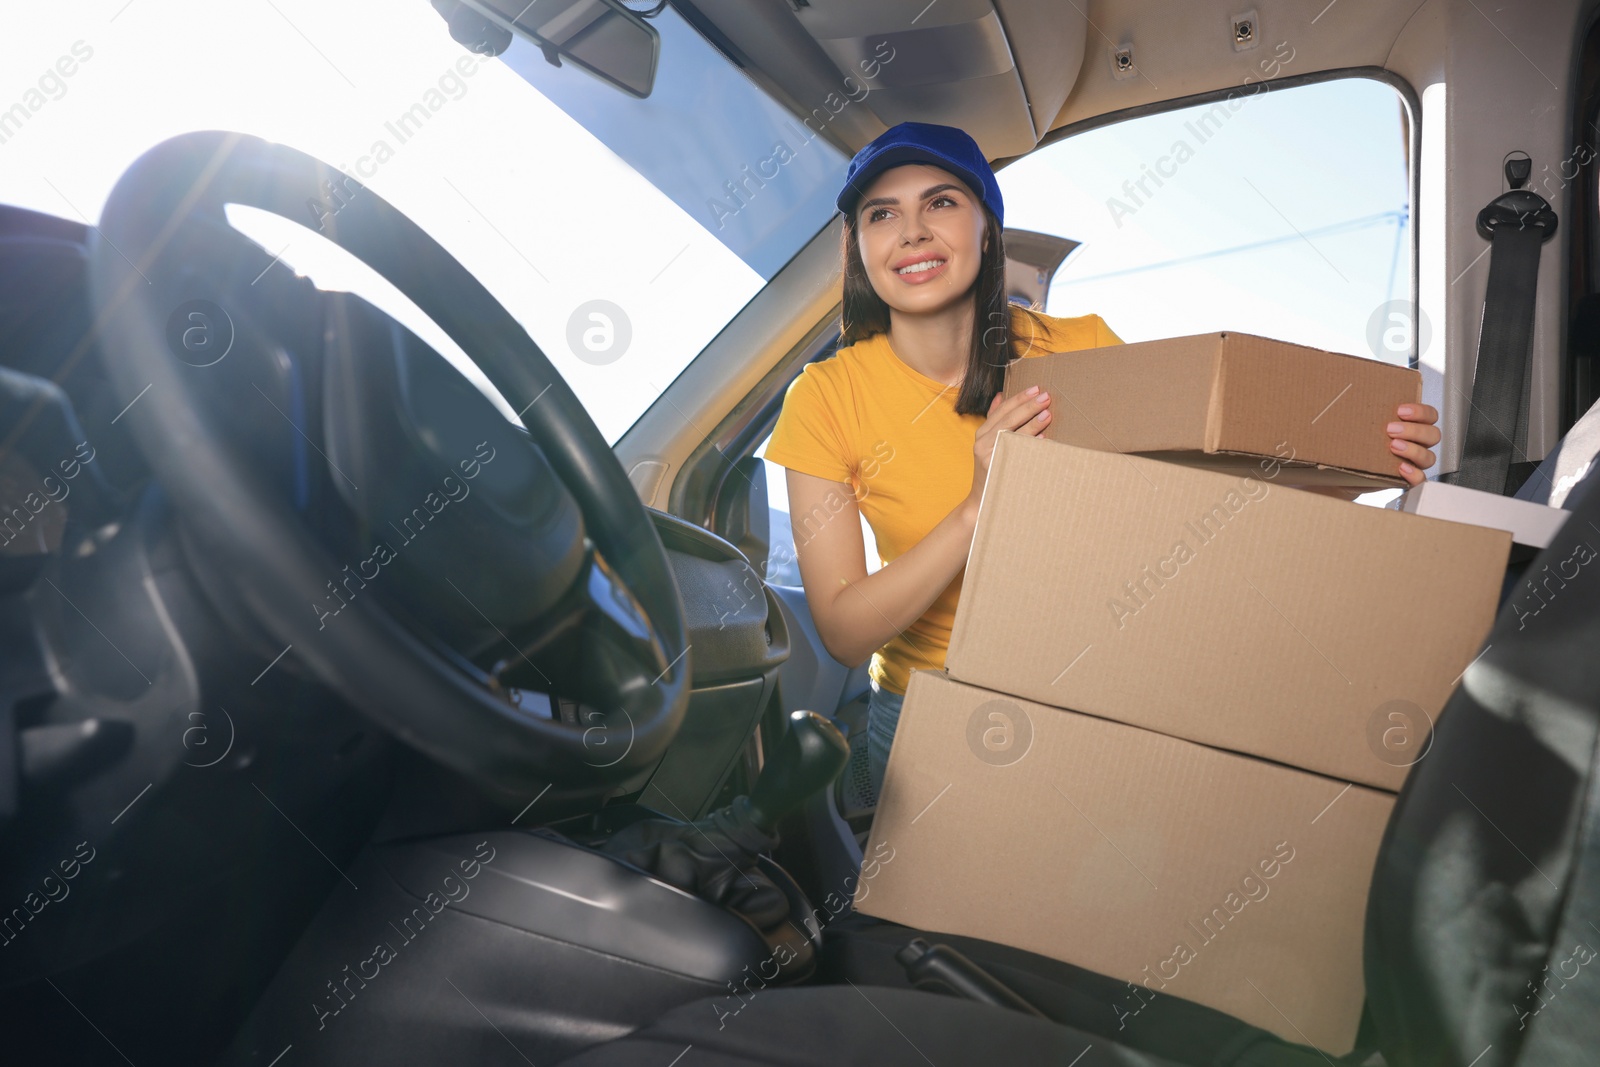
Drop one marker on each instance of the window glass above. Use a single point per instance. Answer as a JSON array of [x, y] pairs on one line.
[[1284, 213], [622, 233], [783, 566]]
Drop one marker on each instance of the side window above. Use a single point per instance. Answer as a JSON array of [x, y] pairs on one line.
[[783, 566], [1279, 212]]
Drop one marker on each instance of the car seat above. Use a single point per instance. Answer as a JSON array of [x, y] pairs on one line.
[[1558, 474]]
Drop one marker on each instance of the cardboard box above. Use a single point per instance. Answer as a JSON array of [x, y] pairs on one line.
[[1225, 401], [1532, 525], [1183, 870], [1228, 610]]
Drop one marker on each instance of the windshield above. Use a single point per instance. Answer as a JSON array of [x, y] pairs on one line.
[[622, 233]]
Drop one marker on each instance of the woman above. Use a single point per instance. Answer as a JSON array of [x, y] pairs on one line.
[[900, 425]]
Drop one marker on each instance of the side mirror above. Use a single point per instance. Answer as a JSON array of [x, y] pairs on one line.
[[741, 514], [1032, 259]]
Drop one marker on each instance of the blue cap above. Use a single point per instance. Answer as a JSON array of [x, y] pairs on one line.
[[922, 142]]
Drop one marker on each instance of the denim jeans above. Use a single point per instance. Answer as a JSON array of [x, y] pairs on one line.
[[883, 715]]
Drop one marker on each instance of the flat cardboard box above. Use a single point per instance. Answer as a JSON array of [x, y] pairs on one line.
[[1228, 610], [1182, 870], [1531, 525], [1224, 401]]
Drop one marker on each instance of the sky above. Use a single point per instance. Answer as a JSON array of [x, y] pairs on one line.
[[1313, 178]]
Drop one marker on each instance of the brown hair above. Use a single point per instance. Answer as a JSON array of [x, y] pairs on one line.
[[864, 313]]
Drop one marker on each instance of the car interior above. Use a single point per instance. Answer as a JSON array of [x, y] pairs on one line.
[[390, 709]]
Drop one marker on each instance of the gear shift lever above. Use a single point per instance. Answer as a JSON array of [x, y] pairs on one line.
[[716, 857], [810, 756]]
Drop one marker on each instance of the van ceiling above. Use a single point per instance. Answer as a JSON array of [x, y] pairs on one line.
[[1009, 71]]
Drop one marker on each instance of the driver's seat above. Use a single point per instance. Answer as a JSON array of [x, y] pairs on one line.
[[1480, 922]]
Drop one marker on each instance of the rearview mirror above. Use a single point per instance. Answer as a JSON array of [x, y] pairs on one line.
[[599, 36]]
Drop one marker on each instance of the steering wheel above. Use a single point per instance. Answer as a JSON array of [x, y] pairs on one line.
[[556, 534]]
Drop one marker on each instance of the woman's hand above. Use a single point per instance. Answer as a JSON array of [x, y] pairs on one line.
[[1411, 437], [1028, 412]]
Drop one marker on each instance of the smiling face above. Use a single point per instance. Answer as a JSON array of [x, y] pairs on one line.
[[920, 232]]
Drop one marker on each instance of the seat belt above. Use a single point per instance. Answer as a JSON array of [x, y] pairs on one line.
[[1516, 225]]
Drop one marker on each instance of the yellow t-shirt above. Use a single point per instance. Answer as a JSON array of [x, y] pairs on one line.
[[891, 433]]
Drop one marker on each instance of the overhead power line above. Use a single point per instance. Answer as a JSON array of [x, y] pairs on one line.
[[1347, 226]]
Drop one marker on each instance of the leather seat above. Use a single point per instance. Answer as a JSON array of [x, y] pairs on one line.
[[832, 1026]]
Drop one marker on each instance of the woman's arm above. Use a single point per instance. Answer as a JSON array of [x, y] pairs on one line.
[[857, 613]]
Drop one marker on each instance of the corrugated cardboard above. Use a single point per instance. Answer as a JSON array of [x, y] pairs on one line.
[[1229, 610], [1530, 524], [1225, 400], [1183, 870]]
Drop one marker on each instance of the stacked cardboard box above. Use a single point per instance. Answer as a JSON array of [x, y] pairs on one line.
[[1223, 401], [1177, 702]]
